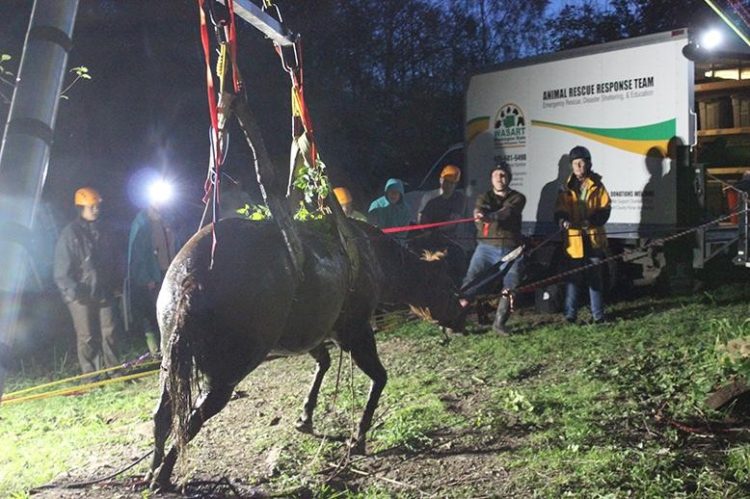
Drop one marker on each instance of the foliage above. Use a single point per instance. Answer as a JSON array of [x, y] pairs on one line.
[[5, 78], [312, 182], [82, 73], [303, 214], [260, 212], [255, 212]]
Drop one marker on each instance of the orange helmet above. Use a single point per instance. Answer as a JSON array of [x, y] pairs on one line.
[[343, 195], [86, 196], [451, 173]]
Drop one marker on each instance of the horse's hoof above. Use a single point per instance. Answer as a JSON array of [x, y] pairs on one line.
[[357, 447], [160, 486], [159, 483], [304, 426]]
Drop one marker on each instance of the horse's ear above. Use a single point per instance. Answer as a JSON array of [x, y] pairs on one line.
[[433, 256]]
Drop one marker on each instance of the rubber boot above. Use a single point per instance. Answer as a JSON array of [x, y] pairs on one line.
[[501, 316], [152, 343]]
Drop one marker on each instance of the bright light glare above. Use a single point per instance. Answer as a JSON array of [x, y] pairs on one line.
[[160, 192], [711, 39]]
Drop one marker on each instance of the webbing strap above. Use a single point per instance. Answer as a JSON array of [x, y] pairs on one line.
[[213, 114], [407, 228]]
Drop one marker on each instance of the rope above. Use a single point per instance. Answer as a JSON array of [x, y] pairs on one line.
[[137, 362], [77, 389], [656, 242], [78, 485], [408, 228]]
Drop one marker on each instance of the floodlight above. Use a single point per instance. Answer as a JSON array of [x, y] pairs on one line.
[[160, 192], [711, 39]]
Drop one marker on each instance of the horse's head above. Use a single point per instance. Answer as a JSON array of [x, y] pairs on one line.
[[436, 294]]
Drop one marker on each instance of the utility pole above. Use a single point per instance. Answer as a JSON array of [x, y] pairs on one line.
[[25, 150]]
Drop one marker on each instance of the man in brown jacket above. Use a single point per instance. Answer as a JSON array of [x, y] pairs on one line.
[[497, 215], [83, 273]]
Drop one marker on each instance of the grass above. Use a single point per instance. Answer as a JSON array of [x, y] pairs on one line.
[[560, 410]]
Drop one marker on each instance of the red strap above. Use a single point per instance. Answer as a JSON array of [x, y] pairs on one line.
[[214, 115], [407, 228], [212, 108]]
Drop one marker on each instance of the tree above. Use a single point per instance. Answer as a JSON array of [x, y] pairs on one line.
[[386, 78], [589, 23]]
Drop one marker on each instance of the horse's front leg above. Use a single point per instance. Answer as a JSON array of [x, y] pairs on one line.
[[305, 421], [365, 355]]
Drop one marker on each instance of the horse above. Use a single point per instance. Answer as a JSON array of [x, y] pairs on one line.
[[222, 314]]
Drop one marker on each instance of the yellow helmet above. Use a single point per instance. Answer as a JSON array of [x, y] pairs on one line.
[[86, 196], [451, 173], [343, 195]]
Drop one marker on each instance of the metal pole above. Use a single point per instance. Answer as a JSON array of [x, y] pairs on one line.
[[264, 23], [24, 154]]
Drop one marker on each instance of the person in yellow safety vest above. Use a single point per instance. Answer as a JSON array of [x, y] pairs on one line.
[[83, 274], [344, 198], [583, 207]]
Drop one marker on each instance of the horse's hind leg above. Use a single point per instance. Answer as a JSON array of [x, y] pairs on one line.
[[365, 355], [305, 421], [209, 405], [162, 423]]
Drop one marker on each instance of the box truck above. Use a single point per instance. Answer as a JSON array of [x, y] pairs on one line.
[[631, 103]]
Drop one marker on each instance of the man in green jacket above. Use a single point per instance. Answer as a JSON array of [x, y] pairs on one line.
[[497, 215], [151, 248]]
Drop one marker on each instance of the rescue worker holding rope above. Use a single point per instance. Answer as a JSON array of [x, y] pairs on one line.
[[390, 209], [583, 207], [497, 215], [449, 204], [83, 273]]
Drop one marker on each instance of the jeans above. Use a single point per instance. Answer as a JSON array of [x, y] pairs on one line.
[[484, 257], [595, 280]]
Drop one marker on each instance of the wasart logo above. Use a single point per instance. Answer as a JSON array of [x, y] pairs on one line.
[[510, 126]]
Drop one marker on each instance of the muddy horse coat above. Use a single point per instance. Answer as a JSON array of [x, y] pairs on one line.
[[222, 321]]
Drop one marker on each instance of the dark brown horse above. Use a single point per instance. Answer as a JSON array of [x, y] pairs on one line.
[[222, 321]]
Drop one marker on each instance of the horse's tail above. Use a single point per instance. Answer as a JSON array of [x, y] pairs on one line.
[[180, 372]]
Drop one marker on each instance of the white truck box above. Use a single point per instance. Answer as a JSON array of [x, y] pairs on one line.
[[628, 102]]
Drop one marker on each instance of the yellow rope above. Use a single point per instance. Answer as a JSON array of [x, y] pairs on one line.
[[75, 389], [71, 379]]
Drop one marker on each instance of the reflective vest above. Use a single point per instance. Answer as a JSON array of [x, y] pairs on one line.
[[581, 204]]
